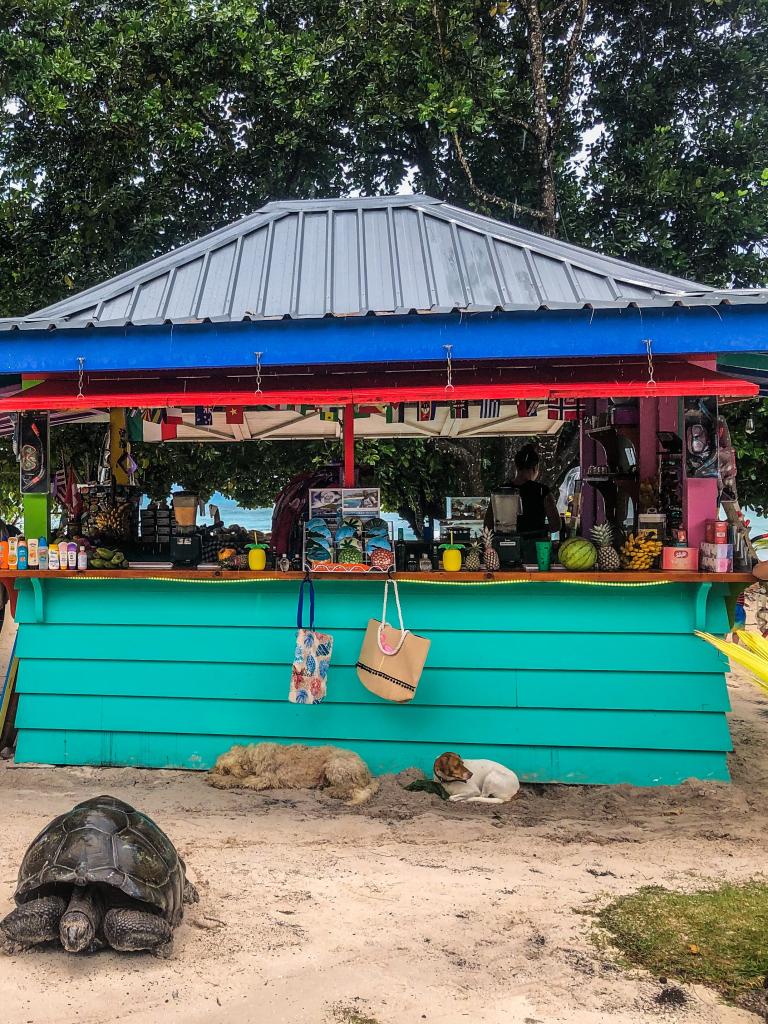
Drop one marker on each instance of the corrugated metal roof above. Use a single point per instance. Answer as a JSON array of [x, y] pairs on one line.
[[353, 257]]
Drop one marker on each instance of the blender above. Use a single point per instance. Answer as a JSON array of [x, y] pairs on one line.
[[186, 546], [506, 506]]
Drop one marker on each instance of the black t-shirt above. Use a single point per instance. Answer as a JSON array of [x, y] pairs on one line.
[[533, 514]]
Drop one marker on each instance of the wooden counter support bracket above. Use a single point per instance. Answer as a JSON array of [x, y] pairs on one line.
[[37, 589], [700, 614]]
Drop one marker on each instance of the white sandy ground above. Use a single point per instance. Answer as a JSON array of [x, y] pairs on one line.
[[409, 910]]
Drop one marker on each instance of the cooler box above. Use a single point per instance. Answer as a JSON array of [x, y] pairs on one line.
[[680, 559]]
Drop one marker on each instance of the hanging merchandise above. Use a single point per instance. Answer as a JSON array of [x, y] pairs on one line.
[[309, 674], [701, 437], [390, 664], [34, 453]]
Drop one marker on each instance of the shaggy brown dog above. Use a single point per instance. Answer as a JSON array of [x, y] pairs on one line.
[[341, 773]]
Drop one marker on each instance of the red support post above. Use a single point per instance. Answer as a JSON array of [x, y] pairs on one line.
[[349, 446]]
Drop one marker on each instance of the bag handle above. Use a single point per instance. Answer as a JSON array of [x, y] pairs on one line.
[[403, 630], [300, 613]]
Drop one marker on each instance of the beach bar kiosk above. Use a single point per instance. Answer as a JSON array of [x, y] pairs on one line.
[[384, 303]]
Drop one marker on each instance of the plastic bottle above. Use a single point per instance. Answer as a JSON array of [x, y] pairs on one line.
[[63, 554], [22, 555], [32, 549], [3, 554], [53, 557], [82, 559], [71, 555], [13, 552], [42, 554]]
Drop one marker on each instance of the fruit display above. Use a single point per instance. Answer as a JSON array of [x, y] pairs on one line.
[[472, 561], [577, 554], [608, 558], [491, 560], [640, 551], [107, 558]]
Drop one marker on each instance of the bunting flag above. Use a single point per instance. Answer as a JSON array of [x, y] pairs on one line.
[[134, 423], [153, 415], [168, 431], [363, 412], [396, 413], [329, 415], [203, 416], [528, 408], [427, 411], [235, 414], [490, 409], [565, 409], [460, 410]]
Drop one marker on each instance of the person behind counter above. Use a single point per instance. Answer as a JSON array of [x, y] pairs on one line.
[[538, 518]]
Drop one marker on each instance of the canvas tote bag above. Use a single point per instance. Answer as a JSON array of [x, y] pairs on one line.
[[312, 657], [391, 661]]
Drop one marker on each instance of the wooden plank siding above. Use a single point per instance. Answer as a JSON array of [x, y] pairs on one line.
[[563, 683]]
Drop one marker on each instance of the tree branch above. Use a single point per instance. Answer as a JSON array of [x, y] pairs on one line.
[[489, 197]]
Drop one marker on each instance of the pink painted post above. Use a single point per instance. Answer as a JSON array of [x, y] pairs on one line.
[[700, 504], [649, 424]]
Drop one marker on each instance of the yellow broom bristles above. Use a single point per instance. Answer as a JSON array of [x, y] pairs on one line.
[[751, 652]]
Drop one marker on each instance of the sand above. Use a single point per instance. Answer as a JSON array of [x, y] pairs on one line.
[[403, 911]]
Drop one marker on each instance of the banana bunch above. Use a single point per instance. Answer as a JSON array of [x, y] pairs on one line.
[[112, 519], [640, 551]]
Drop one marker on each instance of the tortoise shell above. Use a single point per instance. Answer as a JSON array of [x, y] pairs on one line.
[[107, 841]]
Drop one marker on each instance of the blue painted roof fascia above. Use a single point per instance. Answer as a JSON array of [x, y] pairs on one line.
[[546, 334]]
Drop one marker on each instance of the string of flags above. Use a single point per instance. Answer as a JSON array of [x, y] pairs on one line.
[[170, 419]]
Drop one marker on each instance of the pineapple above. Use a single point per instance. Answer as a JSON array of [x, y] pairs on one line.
[[490, 555], [472, 561], [608, 559]]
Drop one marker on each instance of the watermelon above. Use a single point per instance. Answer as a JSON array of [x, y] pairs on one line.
[[576, 554]]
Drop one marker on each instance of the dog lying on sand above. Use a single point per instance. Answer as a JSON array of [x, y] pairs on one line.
[[475, 782], [341, 774]]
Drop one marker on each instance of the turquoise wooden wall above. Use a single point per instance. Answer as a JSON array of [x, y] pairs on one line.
[[562, 682]]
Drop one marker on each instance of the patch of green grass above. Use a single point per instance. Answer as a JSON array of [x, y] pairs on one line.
[[350, 1015], [716, 937]]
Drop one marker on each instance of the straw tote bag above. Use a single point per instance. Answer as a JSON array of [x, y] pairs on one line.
[[391, 661]]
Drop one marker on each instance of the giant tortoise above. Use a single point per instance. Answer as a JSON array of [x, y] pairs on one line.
[[103, 873]]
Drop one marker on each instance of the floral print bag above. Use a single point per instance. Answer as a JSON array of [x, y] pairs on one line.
[[309, 674]]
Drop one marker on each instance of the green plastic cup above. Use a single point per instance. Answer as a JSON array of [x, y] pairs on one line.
[[544, 554]]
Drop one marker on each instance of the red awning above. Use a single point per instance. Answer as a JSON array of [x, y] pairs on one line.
[[390, 385]]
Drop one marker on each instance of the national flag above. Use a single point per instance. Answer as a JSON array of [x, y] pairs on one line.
[[235, 414], [153, 415], [134, 425], [72, 497], [396, 413], [169, 430], [528, 408], [60, 483], [363, 412], [329, 415], [565, 409], [460, 410], [203, 416], [490, 408], [427, 411], [173, 416]]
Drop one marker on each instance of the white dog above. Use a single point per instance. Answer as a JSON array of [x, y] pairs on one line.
[[476, 782]]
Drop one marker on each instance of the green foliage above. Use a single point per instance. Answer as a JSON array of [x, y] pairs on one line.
[[716, 937], [751, 447]]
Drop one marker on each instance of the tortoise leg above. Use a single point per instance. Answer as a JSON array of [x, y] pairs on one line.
[[191, 895], [31, 923], [129, 930], [80, 923]]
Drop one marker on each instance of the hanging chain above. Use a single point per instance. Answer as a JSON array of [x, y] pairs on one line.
[[651, 380], [80, 375], [258, 371], [449, 367]]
